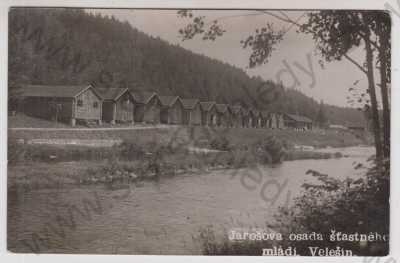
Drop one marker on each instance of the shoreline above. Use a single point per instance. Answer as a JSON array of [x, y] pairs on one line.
[[62, 174]]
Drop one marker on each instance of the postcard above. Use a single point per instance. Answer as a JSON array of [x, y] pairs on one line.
[[145, 131]]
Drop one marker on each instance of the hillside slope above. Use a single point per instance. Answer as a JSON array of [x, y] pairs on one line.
[[70, 46]]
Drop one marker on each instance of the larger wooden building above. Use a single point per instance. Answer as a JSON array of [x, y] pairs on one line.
[[297, 122], [65, 103], [118, 105]]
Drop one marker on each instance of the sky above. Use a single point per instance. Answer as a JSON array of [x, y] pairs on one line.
[[294, 61]]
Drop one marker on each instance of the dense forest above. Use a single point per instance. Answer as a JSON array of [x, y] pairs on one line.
[[71, 46]]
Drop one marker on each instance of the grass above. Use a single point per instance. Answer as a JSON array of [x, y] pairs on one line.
[[22, 120], [41, 166], [316, 138], [162, 151], [199, 136]]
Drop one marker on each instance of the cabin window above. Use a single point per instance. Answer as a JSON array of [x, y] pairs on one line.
[[95, 104], [79, 103]]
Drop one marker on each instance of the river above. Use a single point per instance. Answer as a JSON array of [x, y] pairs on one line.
[[162, 217]]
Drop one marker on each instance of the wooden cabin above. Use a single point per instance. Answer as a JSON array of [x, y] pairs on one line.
[[236, 115], [260, 119], [264, 119], [257, 118], [64, 103], [171, 110], [147, 107], [118, 105], [191, 112], [208, 113], [245, 118], [276, 120], [223, 115], [252, 118], [273, 122], [297, 122]]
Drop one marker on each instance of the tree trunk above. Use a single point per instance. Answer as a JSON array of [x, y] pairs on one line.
[[385, 94], [372, 94]]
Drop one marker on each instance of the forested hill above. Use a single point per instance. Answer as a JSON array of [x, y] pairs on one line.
[[70, 46]]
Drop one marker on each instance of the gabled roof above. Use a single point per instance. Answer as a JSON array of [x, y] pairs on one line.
[[168, 100], [207, 105], [221, 108], [112, 93], [143, 96], [256, 112], [189, 104], [245, 111], [56, 91], [299, 118], [252, 111]]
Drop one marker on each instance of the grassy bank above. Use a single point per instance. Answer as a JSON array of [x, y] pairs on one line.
[[154, 153], [197, 136], [44, 166]]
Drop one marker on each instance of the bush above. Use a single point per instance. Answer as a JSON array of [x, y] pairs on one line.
[[347, 206], [271, 150], [20, 152], [130, 151], [220, 143]]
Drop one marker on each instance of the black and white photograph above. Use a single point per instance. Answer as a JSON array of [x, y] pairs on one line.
[[217, 132]]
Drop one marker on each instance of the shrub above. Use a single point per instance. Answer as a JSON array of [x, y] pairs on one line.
[[347, 206], [271, 150], [129, 150], [220, 143]]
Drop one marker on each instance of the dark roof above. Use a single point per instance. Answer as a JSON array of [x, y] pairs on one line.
[[253, 111], [245, 111], [256, 112], [206, 105], [143, 96], [111, 93], [189, 103], [168, 100], [222, 108], [299, 118], [57, 91]]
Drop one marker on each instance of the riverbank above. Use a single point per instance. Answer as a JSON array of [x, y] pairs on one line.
[[113, 157], [114, 172]]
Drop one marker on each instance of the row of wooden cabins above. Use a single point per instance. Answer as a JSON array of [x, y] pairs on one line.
[[114, 105]]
